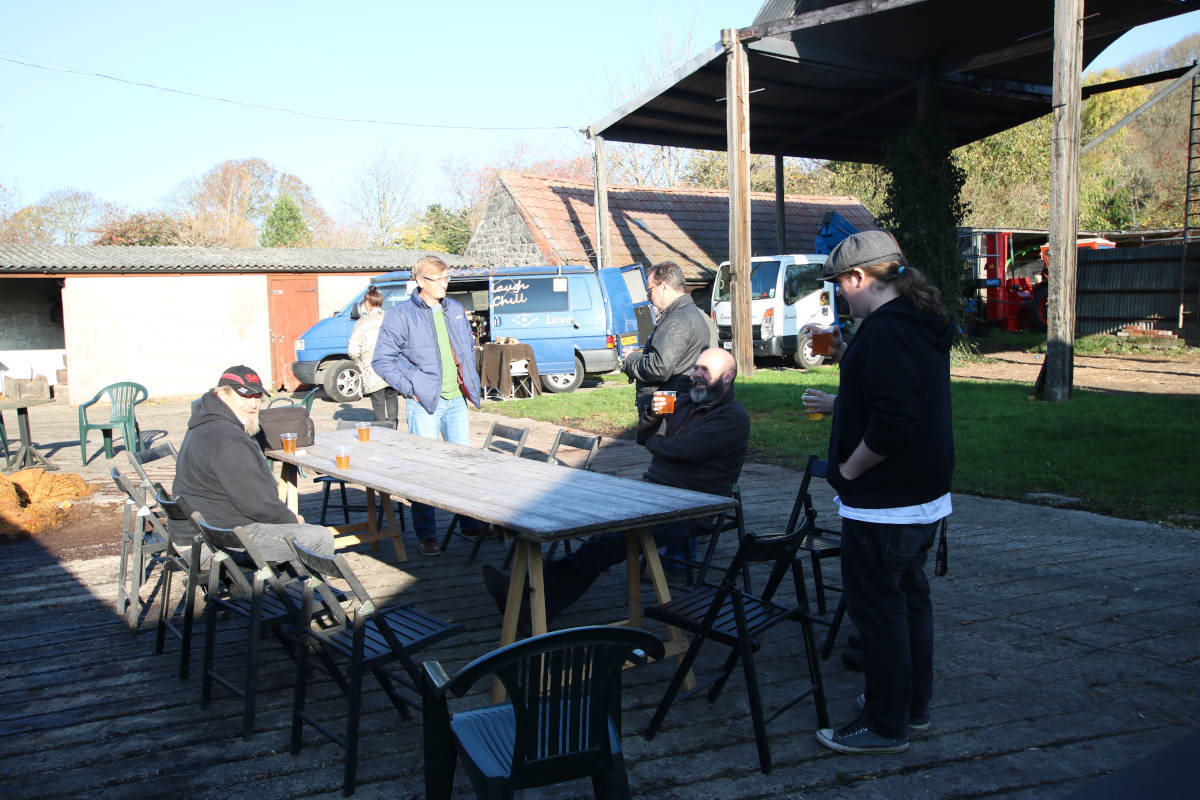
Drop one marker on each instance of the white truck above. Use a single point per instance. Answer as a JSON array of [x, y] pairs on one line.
[[786, 293]]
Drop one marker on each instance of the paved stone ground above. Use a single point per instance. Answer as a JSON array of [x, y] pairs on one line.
[[1067, 648]]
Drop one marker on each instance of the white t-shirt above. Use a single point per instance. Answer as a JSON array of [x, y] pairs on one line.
[[920, 514]]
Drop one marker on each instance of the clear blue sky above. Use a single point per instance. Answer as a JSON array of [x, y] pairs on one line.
[[534, 64]]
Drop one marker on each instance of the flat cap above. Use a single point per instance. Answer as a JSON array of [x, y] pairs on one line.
[[862, 250]]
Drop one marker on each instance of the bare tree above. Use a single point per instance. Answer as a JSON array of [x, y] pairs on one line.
[[73, 214], [380, 197]]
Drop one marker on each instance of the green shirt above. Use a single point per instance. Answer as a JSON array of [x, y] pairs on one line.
[[450, 388]]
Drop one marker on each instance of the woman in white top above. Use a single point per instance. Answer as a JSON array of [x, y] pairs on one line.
[[384, 401]]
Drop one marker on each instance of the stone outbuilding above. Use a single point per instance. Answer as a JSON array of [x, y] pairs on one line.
[[171, 318], [535, 219]]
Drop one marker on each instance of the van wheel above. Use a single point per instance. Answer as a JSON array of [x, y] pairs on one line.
[[804, 357], [343, 382], [564, 381]]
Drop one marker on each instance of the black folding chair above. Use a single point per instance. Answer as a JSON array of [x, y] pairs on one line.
[[363, 635], [820, 544], [562, 720], [243, 593], [500, 438], [736, 619], [733, 520], [144, 544]]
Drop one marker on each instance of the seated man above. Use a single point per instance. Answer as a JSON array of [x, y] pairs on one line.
[[223, 474], [700, 447]]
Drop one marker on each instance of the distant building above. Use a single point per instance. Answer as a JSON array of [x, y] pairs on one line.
[[534, 219], [171, 318]]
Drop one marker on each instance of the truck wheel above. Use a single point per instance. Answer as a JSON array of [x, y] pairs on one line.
[[1038, 311], [804, 357], [342, 382], [564, 381]]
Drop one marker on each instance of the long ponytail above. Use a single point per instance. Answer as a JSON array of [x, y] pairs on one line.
[[911, 283]]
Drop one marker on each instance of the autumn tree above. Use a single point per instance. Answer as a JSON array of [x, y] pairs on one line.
[[144, 228], [285, 226], [29, 226]]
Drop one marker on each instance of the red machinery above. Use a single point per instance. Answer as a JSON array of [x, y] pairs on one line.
[[1018, 302]]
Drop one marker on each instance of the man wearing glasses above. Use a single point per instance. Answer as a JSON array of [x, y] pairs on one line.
[[681, 334], [427, 354]]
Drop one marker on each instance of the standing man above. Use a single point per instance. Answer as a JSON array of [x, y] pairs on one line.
[[222, 473], [891, 458], [682, 333], [426, 353]]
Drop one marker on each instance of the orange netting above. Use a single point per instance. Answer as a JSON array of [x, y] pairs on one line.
[[33, 500]]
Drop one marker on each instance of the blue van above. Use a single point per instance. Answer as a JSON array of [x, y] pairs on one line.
[[577, 321]]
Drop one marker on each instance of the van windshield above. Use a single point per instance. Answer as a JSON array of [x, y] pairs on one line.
[[763, 275]]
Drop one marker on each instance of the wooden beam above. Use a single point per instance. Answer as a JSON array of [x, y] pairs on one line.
[[737, 145], [1064, 200], [838, 13], [780, 208], [600, 175], [1143, 108]]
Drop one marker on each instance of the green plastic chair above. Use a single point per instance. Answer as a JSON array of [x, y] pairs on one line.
[[123, 396]]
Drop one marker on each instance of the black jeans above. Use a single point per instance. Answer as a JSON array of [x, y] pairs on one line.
[[385, 404], [568, 578], [887, 596]]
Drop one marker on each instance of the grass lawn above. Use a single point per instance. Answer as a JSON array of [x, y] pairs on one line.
[[1120, 454]]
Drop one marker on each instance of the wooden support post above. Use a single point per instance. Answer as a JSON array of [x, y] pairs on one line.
[[603, 241], [1064, 200], [780, 208], [737, 144]]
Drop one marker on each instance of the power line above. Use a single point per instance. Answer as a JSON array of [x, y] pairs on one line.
[[25, 62]]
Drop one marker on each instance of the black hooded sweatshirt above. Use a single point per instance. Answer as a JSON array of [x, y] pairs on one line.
[[895, 395], [222, 472]]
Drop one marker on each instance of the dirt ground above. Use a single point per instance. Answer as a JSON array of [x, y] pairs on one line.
[[91, 526]]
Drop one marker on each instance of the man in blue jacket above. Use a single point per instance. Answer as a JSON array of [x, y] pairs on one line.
[[426, 352]]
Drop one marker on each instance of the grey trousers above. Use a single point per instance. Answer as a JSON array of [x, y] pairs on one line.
[[272, 539]]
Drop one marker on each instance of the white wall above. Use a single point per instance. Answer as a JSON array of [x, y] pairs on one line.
[[173, 334], [334, 291]]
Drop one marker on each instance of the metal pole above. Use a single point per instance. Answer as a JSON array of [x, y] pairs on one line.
[[780, 208]]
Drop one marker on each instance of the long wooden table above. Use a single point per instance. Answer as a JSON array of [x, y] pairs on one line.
[[538, 502]]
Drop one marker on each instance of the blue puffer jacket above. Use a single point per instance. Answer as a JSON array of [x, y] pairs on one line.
[[406, 355]]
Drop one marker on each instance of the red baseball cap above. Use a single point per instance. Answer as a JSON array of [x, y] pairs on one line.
[[243, 380]]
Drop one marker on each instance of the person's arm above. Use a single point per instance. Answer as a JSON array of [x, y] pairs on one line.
[[355, 348], [861, 460], [659, 360], [703, 437], [389, 361], [250, 487]]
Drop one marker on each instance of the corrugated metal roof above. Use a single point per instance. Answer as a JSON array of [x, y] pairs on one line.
[[90, 259], [687, 226]]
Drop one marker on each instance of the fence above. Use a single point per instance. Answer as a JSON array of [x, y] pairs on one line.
[[1136, 286]]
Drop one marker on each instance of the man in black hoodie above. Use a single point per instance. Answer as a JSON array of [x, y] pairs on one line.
[[891, 458], [701, 446], [223, 474]]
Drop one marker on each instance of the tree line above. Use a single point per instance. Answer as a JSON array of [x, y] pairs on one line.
[[1134, 180]]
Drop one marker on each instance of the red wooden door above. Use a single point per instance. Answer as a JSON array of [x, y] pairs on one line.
[[291, 309]]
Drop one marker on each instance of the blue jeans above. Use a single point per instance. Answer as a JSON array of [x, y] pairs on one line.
[[449, 421], [887, 596]]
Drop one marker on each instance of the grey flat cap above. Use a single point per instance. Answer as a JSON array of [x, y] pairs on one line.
[[862, 250]]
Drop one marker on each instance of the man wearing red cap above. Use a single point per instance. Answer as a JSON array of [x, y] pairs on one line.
[[223, 474]]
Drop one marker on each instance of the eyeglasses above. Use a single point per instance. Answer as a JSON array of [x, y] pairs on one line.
[[651, 287], [438, 279]]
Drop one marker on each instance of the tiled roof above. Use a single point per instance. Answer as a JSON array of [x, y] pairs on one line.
[[687, 226], [67, 260]]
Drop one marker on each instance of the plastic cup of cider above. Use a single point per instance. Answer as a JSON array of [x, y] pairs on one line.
[[364, 431], [814, 416], [342, 455], [668, 403], [822, 341], [288, 440]]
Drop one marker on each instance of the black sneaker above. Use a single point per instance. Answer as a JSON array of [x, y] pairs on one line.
[[858, 738], [916, 722]]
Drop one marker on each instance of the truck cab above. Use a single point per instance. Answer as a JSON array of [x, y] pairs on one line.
[[577, 321], [786, 293]]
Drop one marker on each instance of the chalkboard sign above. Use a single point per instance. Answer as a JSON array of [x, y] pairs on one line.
[[528, 295]]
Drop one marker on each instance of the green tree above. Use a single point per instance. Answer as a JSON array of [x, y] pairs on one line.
[[285, 226]]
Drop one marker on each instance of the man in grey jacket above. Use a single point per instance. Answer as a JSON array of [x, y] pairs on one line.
[[426, 352], [223, 474], [682, 333]]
